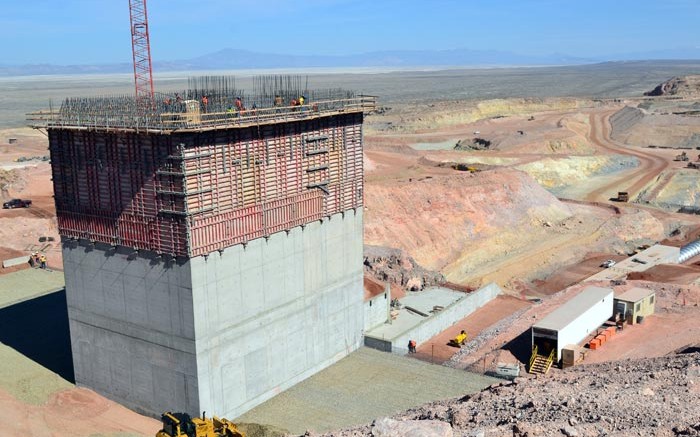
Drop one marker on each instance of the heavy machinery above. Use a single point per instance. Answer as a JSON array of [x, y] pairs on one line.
[[682, 157], [182, 425], [459, 340], [623, 196]]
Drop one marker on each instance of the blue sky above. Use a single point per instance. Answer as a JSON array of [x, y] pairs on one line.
[[97, 31]]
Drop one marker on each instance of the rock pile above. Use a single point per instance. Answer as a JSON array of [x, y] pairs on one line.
[[397, 267], [650, 397]]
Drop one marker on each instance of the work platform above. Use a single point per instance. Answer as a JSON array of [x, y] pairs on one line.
[[163, 120]]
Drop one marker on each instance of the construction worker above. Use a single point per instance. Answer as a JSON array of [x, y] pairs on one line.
[[37, 260], [31, 260], [42, 260], [278, 100], [205, 103], [302, 99], [411, 346]]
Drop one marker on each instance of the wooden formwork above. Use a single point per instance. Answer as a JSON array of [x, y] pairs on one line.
[[191, 193]]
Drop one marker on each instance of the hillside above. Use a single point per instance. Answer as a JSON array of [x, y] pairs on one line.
[[683, 86]]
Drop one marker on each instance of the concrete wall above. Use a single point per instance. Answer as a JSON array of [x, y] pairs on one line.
[[221, 333], [132, 327], [377, 309], [273, 313], [434, 325]]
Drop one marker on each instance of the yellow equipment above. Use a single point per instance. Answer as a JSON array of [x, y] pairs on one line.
[[182, 425], [459, 340]]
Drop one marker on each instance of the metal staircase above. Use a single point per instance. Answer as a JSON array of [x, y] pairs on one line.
[[540, 364]]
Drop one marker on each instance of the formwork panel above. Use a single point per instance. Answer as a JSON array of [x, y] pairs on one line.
[[271, 178], [192, 193], [106, 188]]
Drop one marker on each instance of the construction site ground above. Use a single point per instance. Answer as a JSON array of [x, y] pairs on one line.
[[534, 214], [438, 349], [365, 385]]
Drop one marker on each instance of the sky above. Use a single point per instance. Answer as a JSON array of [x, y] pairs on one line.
[[70, 32]]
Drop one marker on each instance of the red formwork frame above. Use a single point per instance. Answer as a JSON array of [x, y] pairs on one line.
[[191, 193]]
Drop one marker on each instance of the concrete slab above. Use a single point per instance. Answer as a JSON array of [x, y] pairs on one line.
[[426, 314], [653, 256], [27, 284], [14, 261], [361, 387], [423, 301]]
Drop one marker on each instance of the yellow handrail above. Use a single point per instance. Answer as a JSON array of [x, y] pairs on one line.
[[533, 356], [550, 359]]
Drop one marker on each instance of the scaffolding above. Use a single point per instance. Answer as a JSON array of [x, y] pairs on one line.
[[209, 102], [198, 179]]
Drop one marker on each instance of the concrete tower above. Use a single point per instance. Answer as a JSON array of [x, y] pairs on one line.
[[213, 256]]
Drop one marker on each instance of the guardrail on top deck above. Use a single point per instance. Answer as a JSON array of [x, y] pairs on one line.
[[198, 120]]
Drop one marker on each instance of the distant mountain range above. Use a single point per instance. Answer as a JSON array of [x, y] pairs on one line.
[[236, 59]]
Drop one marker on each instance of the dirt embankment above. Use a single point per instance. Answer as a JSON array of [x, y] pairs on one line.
[[684, 86], [437, 220], [663, 127], [419, 117]]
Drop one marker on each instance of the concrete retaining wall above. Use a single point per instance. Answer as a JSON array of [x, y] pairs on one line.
[[15, 261], [439, 322], [377, 309]]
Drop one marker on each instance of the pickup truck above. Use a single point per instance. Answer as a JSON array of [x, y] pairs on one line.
[[17, 203]]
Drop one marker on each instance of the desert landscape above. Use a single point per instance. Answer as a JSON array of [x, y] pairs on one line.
[[471, 177]]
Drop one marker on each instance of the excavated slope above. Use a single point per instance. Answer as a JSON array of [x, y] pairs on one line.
[[438, 219]]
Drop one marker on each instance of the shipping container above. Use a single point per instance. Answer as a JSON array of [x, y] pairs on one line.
[[573, 322]]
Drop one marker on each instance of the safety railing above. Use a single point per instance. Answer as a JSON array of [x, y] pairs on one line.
[[198, 118], [550, 360], [533, 357]]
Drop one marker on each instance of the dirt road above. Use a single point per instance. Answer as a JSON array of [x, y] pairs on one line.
[[650, 165]]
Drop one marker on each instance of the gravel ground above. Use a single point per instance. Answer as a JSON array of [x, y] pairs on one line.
[[650, 397], [362, 386]]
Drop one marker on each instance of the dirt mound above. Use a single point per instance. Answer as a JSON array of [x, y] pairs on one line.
[[631, 397], [439, 219], [685, 86], [397, 267]]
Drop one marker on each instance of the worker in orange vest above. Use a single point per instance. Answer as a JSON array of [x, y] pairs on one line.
[[411, 346]]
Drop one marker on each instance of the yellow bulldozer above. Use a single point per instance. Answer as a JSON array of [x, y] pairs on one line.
[[182, 425], [459, 340]]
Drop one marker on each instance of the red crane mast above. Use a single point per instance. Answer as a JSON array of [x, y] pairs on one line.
[[141, 48]]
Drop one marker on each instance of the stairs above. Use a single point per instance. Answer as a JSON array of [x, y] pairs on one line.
[[540, 365]]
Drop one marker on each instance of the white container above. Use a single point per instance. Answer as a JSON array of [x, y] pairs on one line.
[[572, 322]]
